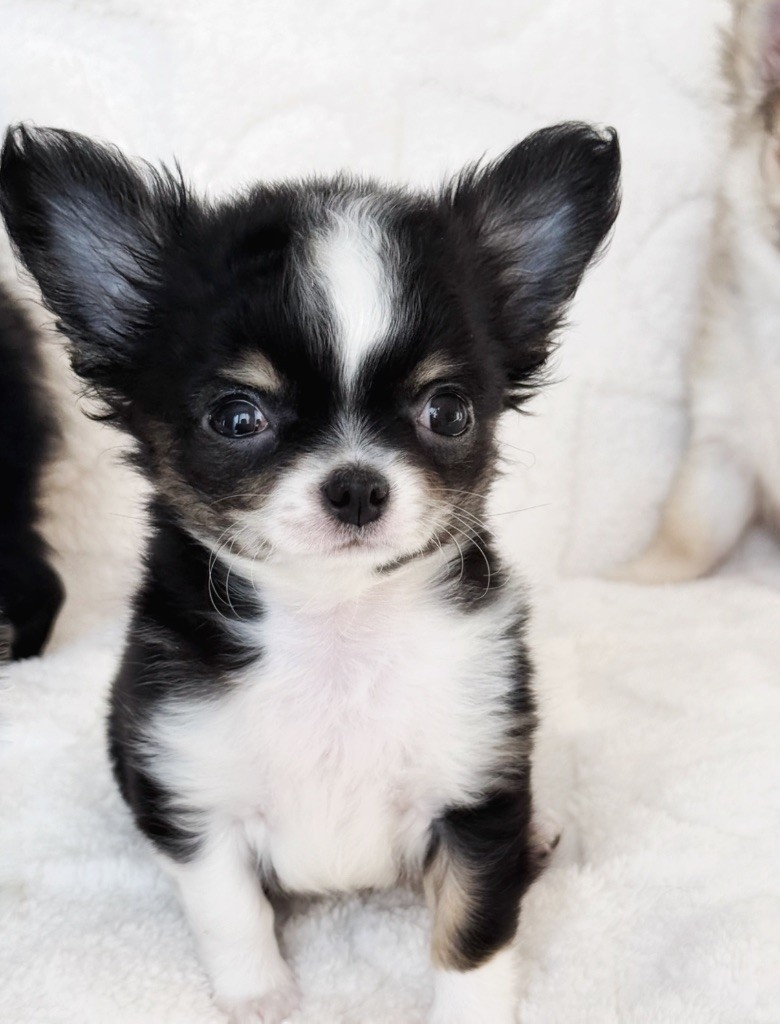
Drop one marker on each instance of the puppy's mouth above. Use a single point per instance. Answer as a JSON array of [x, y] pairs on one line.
[[356, 540], [321, 540], [352, 538]]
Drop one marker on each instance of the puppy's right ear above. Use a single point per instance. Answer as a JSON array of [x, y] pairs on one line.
[[91, 228]]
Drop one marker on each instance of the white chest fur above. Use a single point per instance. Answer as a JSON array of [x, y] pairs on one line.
[[357, 726]]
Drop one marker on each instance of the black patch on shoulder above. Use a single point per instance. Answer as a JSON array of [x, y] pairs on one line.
[[192, 605], [183, 645], [491, 841], [476, 573], [153, 808], [523, 701]]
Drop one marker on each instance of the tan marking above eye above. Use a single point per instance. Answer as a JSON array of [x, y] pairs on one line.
[[431, 369], [255, 371]]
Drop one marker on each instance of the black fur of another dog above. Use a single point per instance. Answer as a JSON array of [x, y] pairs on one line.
[[31, 592]]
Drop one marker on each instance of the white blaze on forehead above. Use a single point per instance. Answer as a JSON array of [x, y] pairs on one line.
[[354, 264]]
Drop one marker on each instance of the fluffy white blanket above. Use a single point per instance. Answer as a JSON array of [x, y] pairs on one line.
[[662, 904], [659, 751]]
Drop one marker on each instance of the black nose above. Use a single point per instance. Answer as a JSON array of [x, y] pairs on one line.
[[355, 495]]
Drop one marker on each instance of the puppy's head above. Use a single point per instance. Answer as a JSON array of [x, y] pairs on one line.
[[312, 369]]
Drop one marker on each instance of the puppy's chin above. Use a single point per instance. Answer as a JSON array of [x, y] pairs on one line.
[[332, 546], [351, 546]]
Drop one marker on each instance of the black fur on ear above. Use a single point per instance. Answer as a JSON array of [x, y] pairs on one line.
[[533, 220], [92, 228]]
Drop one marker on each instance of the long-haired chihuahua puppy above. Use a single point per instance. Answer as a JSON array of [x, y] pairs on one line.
[[730, 473], [325, 686]]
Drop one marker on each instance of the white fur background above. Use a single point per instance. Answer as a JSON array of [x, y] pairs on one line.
[[663, 706]]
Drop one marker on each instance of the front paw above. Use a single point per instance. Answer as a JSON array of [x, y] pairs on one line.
[[273, 1007]]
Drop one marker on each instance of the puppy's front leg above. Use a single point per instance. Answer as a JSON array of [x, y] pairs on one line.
[[233, 924], [482, 860]]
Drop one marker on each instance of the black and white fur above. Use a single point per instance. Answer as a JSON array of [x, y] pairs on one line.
[[326, 686], [31, 591]]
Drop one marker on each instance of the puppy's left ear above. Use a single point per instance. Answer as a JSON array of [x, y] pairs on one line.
[[533, 220]]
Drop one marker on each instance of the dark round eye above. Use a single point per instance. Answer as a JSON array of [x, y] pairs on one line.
[[446, 414], [238, 418]]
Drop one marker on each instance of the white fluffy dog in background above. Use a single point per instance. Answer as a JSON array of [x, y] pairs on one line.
[[730, 474]]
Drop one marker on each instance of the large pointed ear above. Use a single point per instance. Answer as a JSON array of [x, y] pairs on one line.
[[91, 227], [533, 220]]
